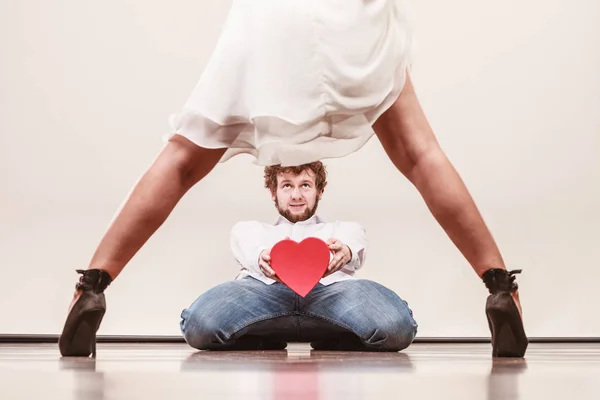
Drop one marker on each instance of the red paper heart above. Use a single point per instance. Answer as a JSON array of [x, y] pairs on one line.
[[300, 265]]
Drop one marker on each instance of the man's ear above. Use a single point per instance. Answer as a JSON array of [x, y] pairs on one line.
[[273, 195], [320, 195]]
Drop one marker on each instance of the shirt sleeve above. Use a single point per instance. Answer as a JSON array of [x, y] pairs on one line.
[[247, 242], [353, 235]]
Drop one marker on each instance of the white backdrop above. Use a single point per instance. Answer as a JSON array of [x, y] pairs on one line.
[[512, 91]]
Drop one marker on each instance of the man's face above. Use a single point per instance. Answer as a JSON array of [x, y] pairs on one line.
[[296, 197]]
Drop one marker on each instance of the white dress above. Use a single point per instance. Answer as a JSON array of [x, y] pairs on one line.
[[296, 81]]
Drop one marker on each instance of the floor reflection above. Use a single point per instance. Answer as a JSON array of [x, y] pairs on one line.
[[428, 371], [295, 374], [502, 383], [77, 364], [283, 359], [88, 383]]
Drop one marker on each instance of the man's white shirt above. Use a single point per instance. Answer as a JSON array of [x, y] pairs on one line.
[[250, 238]]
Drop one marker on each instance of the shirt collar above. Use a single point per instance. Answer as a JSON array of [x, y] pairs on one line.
[[315, 219]]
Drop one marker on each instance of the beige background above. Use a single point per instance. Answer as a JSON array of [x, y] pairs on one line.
[[512, 91]]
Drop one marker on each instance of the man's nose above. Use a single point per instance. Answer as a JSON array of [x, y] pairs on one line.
[[296, 193]]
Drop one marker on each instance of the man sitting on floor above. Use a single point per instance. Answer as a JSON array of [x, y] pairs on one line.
[[256, 311]]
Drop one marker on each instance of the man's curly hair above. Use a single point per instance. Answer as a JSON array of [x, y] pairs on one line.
[[316, 167]]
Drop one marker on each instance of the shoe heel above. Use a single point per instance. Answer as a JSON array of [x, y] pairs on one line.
[[84, 340], [78, 337], [79, 334], [508, 335], [94, 341]]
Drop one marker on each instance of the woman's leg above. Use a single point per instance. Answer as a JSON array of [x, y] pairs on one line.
[[178, 167], [409, 141]]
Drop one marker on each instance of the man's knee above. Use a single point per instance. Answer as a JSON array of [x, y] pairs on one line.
[[392, 333], [221, 312], [202, 333], [393, 325], [205, 323]]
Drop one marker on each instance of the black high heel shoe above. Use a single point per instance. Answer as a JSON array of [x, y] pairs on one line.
[[504, 320], [78, 338]]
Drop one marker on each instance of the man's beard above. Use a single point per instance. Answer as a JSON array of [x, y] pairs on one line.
[[287, 214]]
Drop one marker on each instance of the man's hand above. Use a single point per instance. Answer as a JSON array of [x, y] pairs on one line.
[[341, 256], [264, 262]]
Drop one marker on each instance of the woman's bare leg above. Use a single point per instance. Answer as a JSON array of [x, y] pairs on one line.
[[178, 167], [409, 141]]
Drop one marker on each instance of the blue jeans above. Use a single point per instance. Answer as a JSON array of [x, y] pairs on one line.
[[247, 314]]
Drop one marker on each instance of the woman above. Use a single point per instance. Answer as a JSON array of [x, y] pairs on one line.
[[291, 82]]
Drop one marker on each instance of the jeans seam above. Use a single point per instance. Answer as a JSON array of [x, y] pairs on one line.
[[297, 312], [410, 313], [403, 303], [260, 319], [332, 321]]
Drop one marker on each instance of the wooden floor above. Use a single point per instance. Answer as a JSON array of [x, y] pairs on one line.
[[178, 372]]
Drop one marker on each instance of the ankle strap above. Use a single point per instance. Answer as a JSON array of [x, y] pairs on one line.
[[500, 280], [93, 279]]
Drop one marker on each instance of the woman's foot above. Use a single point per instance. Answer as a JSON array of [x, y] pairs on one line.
[[504, 314], [78, 338]]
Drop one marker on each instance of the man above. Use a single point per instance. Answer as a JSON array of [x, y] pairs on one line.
[[257, 311]]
